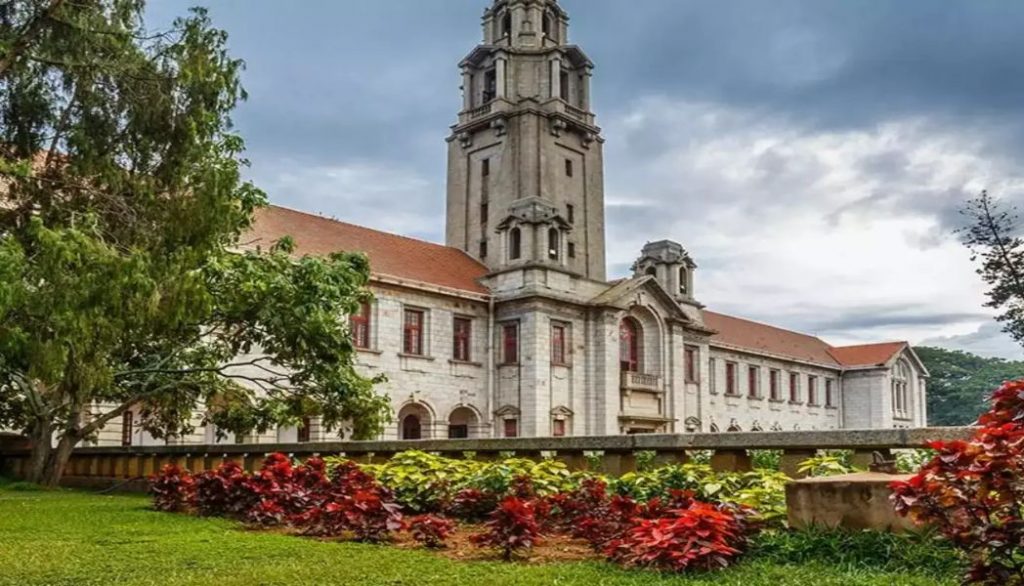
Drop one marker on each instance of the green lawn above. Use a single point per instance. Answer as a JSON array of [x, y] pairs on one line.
[[79, 539]]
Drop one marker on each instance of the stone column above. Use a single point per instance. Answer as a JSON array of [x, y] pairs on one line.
[[556, 77], [501, 72], [731, 461], [467, 90]]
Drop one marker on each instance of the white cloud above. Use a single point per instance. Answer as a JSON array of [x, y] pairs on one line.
[[805, 227]]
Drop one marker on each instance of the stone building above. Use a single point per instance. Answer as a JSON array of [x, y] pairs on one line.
[[512, 328]]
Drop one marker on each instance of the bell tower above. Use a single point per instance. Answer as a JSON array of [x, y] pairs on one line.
[[525, 159]]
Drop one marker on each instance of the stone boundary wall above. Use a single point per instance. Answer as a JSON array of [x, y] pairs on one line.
[[617, 453]]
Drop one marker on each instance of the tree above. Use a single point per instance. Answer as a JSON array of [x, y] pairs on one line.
[[961, 383], [124, 283], [992, 237]]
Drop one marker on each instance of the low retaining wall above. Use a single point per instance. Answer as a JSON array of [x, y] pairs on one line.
[[616, 454]]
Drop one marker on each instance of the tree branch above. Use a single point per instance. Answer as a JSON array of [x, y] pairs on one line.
[[33, 28]]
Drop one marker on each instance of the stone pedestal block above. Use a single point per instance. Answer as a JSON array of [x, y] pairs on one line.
[[853, 501]]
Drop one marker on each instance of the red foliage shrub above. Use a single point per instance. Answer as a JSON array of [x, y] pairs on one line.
[[701, 536], [972, 491], [354, 501], [172, 490], [471, 504], [562, 511], [430, 530], [225, 491], [607, 522], [512, 527]]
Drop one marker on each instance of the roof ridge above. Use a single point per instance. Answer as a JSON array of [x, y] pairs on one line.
[[361, 227], [871, 344], [767, 325]]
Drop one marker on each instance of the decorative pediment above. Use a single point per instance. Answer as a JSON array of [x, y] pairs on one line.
[[562, 411], [629, 292], [533, 210], [508, 411]]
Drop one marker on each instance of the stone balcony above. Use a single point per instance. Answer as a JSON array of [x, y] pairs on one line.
[[638, 381]]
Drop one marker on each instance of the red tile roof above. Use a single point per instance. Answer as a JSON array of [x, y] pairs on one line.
[[868, 354], [759, 337], [390, 255]]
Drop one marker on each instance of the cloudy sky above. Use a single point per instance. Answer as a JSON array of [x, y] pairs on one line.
[[810, 154]]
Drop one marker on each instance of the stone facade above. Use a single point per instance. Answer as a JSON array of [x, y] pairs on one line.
[[526, 337]]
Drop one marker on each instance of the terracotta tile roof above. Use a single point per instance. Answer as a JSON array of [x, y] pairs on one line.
[[759, 337], [390, 255], [867, 354]]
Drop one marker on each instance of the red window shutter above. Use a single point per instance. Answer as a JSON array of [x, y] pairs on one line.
[[511, 428], [360, 324], [463, 331], [558, 344], [558, 428], [127, 428], [730, 379], [629, 345], [794, 388], [414, 332], [510, 335], [752, 382]]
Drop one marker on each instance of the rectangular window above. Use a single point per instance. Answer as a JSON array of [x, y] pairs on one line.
[[510, 344], [568, 169], [572, 249], [558, 354], [485, 212], [773, 385], [414, 332], [564, 82], [462, 332], [812, 390], [127, 425], [558, 428], [830, 399], [753, 382], [359, 323], [730, 379], [483, 249], [304, 427], [690, 364], [794, 387], [485, 168], [511, 428], [712, 376], [570, 213]]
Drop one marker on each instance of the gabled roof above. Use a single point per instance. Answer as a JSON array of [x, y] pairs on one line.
[[758, 337], [868, 354], [390, 255]]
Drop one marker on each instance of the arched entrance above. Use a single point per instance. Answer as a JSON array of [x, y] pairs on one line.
[[462, 423], [414, 421]]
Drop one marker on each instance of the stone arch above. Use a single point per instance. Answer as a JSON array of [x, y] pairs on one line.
[[651, 328], [734, 427], [714, 428], [464, 422], [415, 421]]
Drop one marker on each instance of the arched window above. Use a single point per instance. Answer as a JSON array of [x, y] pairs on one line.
[[683, 284], [515, 243], [547, 26], [506, 25], [900, 390], [629, 345], [652, 272], [553, 244], [411, 428]]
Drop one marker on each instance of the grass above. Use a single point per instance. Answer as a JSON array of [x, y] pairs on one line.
[[57, 538]]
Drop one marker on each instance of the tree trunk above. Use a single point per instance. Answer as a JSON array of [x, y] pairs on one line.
[[58, 460], [41, 437]]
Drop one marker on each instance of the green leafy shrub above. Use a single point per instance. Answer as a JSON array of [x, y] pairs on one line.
[[828, 464], [766, 459]]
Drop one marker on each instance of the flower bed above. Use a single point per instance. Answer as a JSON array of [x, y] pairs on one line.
[[675, 518]]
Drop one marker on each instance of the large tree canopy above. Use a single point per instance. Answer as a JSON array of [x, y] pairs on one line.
[[122, 279], [961, 383]]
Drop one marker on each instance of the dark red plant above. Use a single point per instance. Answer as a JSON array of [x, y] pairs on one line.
[[702, 537], [431, 530], [471, 504], [562, 511], [353, 502], [972, 492], [512, 527], [607, 522], [225, 491], [172, 490]]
